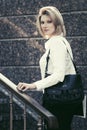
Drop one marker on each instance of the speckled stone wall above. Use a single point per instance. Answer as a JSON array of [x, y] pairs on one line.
[[21, 46]]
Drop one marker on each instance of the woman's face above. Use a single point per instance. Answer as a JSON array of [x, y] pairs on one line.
[[47, 26]]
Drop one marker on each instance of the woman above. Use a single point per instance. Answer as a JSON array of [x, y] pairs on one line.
[[51, 26]]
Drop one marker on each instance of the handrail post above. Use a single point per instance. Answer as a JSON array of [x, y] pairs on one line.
[[24, 116], [39, 124], [11, 111]]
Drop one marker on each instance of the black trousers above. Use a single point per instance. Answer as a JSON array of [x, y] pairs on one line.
[[64, 113]]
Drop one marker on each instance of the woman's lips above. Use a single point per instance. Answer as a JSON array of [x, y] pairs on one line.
[[46, 30]]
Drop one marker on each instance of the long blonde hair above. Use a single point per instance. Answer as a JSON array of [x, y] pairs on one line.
[[56, 17]]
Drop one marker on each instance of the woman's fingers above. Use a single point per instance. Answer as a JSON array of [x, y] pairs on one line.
[[24, 86], [20, 86]]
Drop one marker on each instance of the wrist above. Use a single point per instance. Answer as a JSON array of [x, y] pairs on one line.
[[34, 86]]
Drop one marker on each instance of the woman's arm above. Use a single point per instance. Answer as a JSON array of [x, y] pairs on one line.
[[57, 55]]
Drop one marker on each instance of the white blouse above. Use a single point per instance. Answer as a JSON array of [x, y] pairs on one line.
[[59, 64]]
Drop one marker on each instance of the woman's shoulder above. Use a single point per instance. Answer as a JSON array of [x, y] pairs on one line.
[[57, 41]]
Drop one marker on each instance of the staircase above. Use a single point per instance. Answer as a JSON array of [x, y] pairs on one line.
[[29, 105], [18, 116]]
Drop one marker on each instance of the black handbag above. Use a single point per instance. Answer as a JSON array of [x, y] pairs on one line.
[[68, 91]]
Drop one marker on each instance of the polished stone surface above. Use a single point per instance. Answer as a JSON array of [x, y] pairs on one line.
[[76, 24], [16, 27], [79, 48], [20, 52], [25, 52], [15, 7], [25, 26]]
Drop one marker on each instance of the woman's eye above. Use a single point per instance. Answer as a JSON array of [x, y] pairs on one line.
[[49, 21], [42, 22]]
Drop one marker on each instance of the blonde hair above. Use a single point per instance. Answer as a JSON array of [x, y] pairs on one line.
[[56, 17]]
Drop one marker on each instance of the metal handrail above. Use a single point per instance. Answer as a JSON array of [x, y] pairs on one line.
[[52, 121]]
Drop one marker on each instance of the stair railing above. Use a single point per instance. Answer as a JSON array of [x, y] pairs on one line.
[[28, 101]]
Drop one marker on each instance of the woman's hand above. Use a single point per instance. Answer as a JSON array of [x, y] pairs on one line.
[[25, 86]]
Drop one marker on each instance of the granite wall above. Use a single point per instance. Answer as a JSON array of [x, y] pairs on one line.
[[21, 46]]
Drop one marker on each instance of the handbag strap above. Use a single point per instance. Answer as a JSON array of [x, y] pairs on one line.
[[47, 59], [71, 58]]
